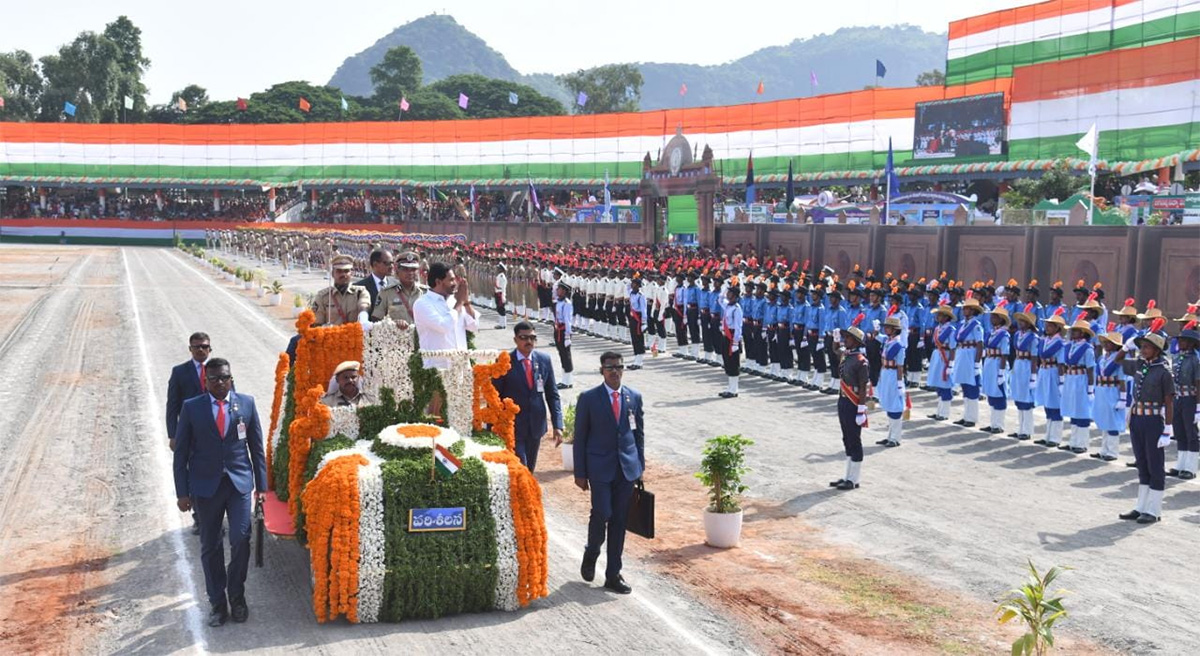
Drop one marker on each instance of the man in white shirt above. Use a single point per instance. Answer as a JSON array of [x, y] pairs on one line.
[[500, 293], [444, 314]]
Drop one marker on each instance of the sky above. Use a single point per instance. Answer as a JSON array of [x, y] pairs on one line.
[[236, 48]]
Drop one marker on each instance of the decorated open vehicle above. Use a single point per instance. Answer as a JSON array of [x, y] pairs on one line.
[[404, 515]]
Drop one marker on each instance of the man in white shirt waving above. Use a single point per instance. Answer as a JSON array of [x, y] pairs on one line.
[[444, 315]]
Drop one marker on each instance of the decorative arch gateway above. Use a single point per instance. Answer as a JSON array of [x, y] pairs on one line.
[[678, 193]]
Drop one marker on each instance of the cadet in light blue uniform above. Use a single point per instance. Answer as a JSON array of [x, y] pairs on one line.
[[1111, 396], [1049, 388], [799, 336], [716, 305], [837, 318], [890, 391], [995, 369], [1078, 392], [968, 357], [917, 311], [1026, 347], [944, 341], [1032, 292]]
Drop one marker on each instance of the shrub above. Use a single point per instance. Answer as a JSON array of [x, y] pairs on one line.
[[722, 469]]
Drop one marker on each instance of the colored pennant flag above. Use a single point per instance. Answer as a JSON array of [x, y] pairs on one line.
[[181, 104], [128, 102], [683, 89], [68, 109], [760, 87], [1087, 143], [1, 102], [304, 105], [893, 182], [581, 99], [345, 105], [791, 187], [241, 104], [880, 69], [463, 100], [533, 197], [512, 97], [812, 79], [750, 190], [445, 461], [404, 104], [607, 197], [472, 198]]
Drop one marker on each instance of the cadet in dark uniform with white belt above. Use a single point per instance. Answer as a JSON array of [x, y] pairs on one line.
[[852, 408], [1152, 401]]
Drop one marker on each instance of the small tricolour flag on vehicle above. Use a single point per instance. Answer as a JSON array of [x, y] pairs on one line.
[[445, 461]]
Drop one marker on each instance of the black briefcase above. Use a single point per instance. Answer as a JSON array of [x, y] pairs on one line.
[[260, 530], [641, 512]]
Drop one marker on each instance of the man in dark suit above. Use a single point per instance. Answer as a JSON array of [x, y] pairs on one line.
[[610, 457], [187, 380], [381, 261], [219, 462], [530, 383]]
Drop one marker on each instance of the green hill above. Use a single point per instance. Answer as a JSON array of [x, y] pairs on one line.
[[843, 61]]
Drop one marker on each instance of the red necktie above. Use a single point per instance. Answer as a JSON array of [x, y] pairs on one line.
[[203, 383], [528, 373], [617, 406], [221, 418]]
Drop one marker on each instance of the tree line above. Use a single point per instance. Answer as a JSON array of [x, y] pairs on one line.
[[101, 75]]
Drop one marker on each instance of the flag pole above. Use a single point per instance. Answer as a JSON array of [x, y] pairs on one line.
[[433, 460], [1092, 193]]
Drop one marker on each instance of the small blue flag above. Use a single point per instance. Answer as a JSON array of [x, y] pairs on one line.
[[68, 109], [512, 97], [880, 69], [581, 99]]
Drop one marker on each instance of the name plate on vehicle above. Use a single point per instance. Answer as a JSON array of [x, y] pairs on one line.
[[426, 520]]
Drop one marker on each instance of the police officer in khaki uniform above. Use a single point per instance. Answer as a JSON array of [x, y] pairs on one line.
[[397, 299], [342, 302], [347, 390]]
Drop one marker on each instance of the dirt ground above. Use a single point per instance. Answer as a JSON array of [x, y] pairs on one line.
[[97, 561]]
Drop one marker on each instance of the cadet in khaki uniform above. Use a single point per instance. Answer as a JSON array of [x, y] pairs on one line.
[[342, 302], [346, 389], [397, 299]]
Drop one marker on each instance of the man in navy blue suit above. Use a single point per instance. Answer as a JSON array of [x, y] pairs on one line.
[[610, 457], [187, 380], [530, 384], [219, 462]]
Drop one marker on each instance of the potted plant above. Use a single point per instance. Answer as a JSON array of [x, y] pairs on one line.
[[721, 470], [276, 293], [259, 278], [238, 275], [568, 449], [248, 280], [297, 305]]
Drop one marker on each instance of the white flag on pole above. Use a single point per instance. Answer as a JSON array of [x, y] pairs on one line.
[[1088, 144]]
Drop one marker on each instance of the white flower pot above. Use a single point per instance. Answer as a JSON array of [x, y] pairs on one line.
[[246, 284], [296, 311], [722, 530], [276, 299], [568, 456], [262, 292]]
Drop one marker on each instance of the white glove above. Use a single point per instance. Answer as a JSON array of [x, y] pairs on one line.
[[921, 343], [567, 342], [1167, 434], [1091, 393], [820, 344], [978, 370], [861, 417], [875, 324], [837, 336], [862, 409], [900, 387], [1130, 346], [1196, 418], [804, 343], [735, 348], [1120, 405], [365, 320]]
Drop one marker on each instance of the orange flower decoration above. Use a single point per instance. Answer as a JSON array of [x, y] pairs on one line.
[[530, 527], [281, 370], [331, 502], [489, 407], [418, 430]]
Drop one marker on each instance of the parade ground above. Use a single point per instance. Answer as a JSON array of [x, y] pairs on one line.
[[97, 559]]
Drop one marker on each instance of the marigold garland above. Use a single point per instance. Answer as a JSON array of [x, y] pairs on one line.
[[489, 407], [281, 371], [418, 430], [529, 524], [320, 349], [311, 423], [331, 502]]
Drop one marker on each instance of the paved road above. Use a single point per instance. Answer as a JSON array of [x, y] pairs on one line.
[[89, 484]]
